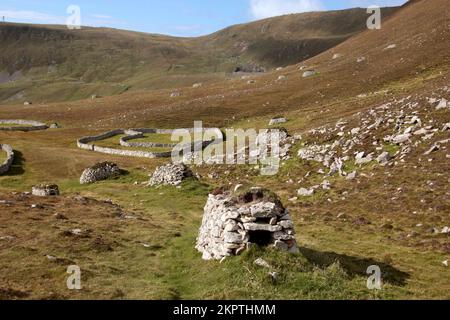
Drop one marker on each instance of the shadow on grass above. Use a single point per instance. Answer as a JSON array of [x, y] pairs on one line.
[[17, 165], [355, 266]]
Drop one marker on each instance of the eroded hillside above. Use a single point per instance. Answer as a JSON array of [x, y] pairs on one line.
[[52, 63]]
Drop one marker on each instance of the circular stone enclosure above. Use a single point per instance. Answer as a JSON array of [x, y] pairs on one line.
[[21, 125], [133, 134]]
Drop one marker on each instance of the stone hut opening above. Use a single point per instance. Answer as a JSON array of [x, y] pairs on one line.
[[260, 238]]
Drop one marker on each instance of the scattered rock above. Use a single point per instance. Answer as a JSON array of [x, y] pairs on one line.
[[277, 120], [362, 159], [443, 103], [432, 149], [274, 276], [352, 176], [384, 158], [303, 192], [326, 185], [361, 59], [401, 138], [260, 262], [309, 73]]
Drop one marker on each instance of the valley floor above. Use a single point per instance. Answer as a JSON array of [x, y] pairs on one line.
[[137, 242]]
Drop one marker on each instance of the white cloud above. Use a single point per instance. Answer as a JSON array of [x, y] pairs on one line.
[[261, 9], [31, 16]]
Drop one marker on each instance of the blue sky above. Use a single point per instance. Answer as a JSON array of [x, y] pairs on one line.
[[174, 17]]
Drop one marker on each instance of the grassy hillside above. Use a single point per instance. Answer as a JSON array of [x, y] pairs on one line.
[[51, 63], [142, 245]]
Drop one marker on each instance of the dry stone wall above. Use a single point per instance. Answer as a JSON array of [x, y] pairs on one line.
[[6, 165], [22, 125], [86, 143]]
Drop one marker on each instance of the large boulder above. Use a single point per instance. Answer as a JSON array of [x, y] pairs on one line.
[[100, 171], [233, 222], [171, 174]]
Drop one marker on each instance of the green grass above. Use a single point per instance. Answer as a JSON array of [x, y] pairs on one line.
[[392, 149], [2, 156]]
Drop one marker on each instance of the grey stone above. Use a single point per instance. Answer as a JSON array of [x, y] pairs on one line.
[[384, 158], [233, 237], [352, 176], [262, 227], [276, 121], [260, 262], [401, 138], [281, 245], [263, 210], [309, 73], [303, 192], [100, 171]]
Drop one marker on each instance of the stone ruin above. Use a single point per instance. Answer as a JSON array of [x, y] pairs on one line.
[[233, 223], [100, 171], [6, 165], [249, 68], [22, 125], [86, 143], [45, 190], [170, 174]]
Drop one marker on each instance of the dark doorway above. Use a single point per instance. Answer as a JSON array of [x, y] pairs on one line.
[[261, 238]]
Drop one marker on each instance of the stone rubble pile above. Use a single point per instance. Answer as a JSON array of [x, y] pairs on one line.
[[100, 171], [286, 142], [385, 135], [170, 174], [403, 124], [231, 224]]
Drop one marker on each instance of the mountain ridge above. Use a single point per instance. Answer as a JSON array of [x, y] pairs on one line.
[[74, 64]]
